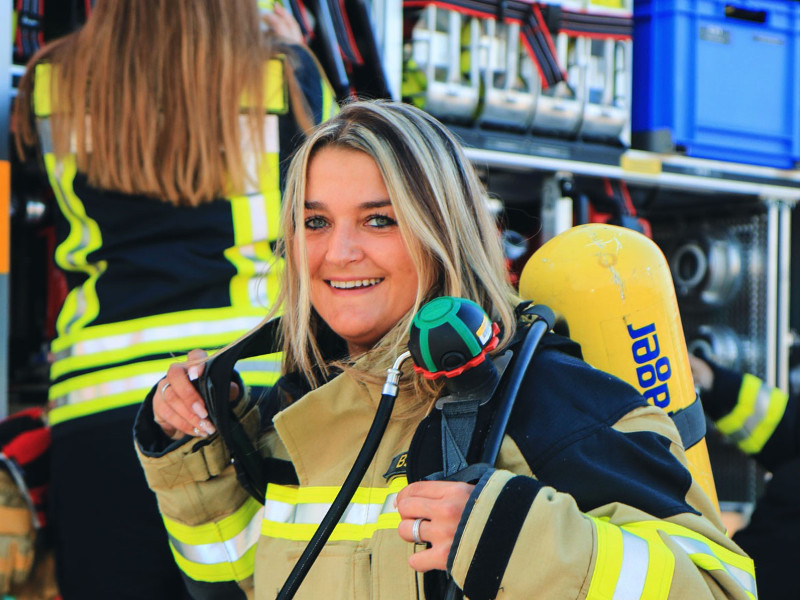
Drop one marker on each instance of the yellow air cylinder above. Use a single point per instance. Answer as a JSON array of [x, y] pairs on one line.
[[614, 289]]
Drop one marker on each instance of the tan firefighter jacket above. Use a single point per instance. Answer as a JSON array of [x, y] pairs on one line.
[[590, 499]]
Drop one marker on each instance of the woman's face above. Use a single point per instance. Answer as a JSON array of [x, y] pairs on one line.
[[362, 277]]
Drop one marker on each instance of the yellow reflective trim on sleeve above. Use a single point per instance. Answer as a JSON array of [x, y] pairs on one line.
[[703, 552], [756, 415], [748, 392], [764, 430], [629, 565], [607, 562], [660, 569], [738, 560], [218, 572], [219, 531]]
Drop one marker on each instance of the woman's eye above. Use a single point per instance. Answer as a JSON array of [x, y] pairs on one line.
[[315, 222], [381, 221]]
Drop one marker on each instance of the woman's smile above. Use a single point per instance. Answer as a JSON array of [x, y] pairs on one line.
[[356, 284]]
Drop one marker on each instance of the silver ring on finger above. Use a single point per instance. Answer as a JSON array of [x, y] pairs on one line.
[[164, 388], [196, 432], [415, 530]]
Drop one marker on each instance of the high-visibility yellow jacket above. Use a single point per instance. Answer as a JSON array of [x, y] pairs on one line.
[[148, 281], [590, 499]]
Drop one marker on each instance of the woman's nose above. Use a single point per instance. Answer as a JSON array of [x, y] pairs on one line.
[[344, 246]]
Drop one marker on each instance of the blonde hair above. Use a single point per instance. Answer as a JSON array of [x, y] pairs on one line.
[[161, 84], [441, 208]]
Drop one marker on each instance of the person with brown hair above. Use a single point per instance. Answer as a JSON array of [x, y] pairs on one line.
[[164, 128]]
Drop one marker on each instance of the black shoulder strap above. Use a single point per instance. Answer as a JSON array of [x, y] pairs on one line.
[[252, 470], [691, 423]]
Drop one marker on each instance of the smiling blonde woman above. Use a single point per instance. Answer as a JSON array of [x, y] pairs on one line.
[[589, 497]]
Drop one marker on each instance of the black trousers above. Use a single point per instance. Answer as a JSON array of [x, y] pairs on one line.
[[771, 538], [109, 537]]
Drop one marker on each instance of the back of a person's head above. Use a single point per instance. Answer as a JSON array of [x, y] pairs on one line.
[[161, 82]]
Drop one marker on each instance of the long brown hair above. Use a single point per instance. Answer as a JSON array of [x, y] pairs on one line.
[[148, 95]]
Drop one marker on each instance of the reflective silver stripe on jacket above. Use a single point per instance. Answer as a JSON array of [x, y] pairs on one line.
[[158, 334], [633, 572], [228, 551], [143, 382], [693, 546], [313, 513]]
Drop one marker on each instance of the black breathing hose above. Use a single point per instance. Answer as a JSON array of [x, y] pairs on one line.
[[494, 439], [540, 326], [354, 477]]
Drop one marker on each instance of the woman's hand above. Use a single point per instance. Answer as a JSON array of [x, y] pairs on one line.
[[281, 22], [440, 504], [178, 407], [701, 373]]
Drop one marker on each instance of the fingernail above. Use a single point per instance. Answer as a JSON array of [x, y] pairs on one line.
[[200, 410], [207, 427], [193, 373]]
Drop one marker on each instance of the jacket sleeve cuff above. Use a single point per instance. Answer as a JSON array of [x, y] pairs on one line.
[[169, 463], [721, 399], [488, 531], [151, 441]]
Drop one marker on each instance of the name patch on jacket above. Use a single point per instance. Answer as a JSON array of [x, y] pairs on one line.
[[397, 466]]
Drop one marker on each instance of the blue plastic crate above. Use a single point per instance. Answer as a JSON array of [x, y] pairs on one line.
[[718, 79]]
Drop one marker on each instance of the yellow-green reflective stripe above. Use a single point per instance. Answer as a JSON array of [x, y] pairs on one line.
[[763, 430], [257, 269], [84, 402], [73, 411], [295, 513], [42, 90], [140, 376], [269, 180], [758, 411], [135, 340], [174, 319], [262, 370], [702, 555], [608, 561], [704, 552], [220, 551], [275, 92], [329, 105], [81, 305], [660, 569], [629, 566]]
